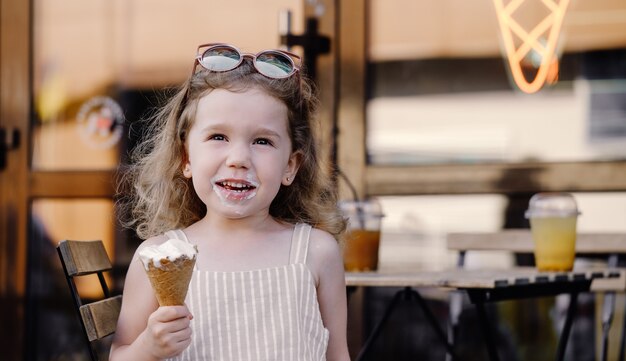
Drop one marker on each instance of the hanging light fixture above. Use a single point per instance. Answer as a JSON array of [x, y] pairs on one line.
[[533, 49]]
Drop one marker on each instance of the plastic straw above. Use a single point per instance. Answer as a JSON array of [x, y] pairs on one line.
[[360, 213]]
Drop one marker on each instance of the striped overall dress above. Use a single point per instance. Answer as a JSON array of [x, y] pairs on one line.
[[266, 314]]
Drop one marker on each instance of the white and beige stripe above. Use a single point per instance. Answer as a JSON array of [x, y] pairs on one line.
[[267, 314]]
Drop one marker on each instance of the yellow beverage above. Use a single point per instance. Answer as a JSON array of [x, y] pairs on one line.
[[555, 242], [361, 250]]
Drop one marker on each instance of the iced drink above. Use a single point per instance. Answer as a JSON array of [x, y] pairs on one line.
[[360, 251], [555, 242], [169, 267], [553, 219]]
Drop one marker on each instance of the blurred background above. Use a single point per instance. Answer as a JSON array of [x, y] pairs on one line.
[[420, 109]]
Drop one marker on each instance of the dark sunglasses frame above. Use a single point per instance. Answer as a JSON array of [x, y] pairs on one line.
[[295, 65]]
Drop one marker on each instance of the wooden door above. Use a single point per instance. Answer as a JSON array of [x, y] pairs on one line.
[[14, 113]]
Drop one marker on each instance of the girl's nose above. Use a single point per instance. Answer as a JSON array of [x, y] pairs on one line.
[[239, 156]]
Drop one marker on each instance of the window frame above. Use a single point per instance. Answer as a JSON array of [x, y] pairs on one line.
[[484, 178]]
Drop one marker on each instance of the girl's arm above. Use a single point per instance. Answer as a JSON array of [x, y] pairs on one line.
[[146, 331], [326, 263]]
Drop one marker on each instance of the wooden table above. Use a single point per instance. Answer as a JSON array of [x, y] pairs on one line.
[[483, 286]]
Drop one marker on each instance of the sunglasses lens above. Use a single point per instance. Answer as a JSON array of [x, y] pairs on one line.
[[274, 64], [220, 58]]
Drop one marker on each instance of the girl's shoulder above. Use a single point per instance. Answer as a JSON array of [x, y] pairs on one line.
[[324, 253], [323, 239]]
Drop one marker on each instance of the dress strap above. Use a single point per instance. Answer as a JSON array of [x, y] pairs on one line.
[[300, 243]]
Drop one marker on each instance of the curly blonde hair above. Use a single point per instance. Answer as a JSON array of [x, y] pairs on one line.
[[158, 197]]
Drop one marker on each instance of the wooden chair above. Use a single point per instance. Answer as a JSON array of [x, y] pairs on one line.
[[611, 245], [99, 318]]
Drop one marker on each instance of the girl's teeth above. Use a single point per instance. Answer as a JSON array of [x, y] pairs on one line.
[[236, 186]]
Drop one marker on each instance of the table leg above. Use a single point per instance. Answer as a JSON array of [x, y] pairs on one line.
[[455, 308], [433, 322], [622, 344], [409, 294], [571, 312], [484, 323], [608, 308], [379, 326]]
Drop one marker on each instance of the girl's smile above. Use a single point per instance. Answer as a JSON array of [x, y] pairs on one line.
[[232, 191]]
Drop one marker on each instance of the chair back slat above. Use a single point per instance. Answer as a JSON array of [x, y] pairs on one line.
[[100, 317], [84, 257]]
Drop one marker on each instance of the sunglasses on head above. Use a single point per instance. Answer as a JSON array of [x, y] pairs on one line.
[[275, 64]]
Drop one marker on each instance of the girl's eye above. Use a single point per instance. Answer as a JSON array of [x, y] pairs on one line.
[[263, 141], [216, 137]]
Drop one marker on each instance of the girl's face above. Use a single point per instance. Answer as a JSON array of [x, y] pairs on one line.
[[239, 152]]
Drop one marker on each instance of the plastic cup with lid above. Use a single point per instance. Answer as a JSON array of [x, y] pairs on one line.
[[553, 219], [360, 252]]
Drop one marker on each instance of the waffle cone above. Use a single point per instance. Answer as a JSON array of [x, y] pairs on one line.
[[170, 281]]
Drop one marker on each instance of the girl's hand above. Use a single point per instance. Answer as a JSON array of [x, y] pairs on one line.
[[168, 332]]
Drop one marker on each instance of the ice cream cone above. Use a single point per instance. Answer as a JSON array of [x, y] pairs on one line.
[[169, 267], [170, 281]]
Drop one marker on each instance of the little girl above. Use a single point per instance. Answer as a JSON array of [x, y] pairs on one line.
[[232, 167]]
